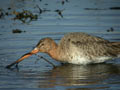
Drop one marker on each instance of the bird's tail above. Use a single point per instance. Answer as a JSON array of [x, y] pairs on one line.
[[116, 44]]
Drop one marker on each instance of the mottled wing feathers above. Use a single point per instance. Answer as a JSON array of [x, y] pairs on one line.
[[90, 45]]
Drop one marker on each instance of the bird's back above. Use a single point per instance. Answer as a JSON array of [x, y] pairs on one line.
[[81, 37], [76, 38], [83, 48]]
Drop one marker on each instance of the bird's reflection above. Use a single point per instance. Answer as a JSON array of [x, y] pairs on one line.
[[73, 75]]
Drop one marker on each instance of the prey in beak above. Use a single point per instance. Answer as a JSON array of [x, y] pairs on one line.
[[34, 51], [45, 45]]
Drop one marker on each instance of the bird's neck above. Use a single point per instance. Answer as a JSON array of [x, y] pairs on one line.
[[54, 53]]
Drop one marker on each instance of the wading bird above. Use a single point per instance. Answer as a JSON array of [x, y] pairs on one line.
[[76, 48]]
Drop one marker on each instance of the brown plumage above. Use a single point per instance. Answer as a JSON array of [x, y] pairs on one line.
[[78, 48]]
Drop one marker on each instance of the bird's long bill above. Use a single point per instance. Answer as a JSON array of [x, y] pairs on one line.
[[34, 51]]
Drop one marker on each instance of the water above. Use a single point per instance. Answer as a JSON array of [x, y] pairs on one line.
[[76, 18]]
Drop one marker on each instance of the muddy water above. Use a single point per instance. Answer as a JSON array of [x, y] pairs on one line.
[[96, 17]]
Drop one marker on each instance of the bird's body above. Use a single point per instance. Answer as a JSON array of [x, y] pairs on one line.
[[77, 48], [81, 48]]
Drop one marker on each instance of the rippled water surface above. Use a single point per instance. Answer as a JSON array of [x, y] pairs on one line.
[[96, 17]]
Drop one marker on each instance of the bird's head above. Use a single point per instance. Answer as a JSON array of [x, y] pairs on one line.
[[45, 45]]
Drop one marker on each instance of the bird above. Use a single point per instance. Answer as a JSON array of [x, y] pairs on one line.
[[76, 48]]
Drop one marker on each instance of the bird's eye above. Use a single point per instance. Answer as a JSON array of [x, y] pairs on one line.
[[42, 44]]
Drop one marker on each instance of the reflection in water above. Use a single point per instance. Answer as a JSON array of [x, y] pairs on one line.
[[76, 19], [72, 75]]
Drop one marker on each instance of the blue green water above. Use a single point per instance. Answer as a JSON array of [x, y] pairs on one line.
[[49, 24]]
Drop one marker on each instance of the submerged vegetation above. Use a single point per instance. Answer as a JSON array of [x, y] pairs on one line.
[[110, 8], [17, 31], [25, 16], [29, 14], [111, 29], [1, 13]]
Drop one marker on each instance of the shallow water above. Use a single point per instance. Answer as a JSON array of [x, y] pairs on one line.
[[76, 18]]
